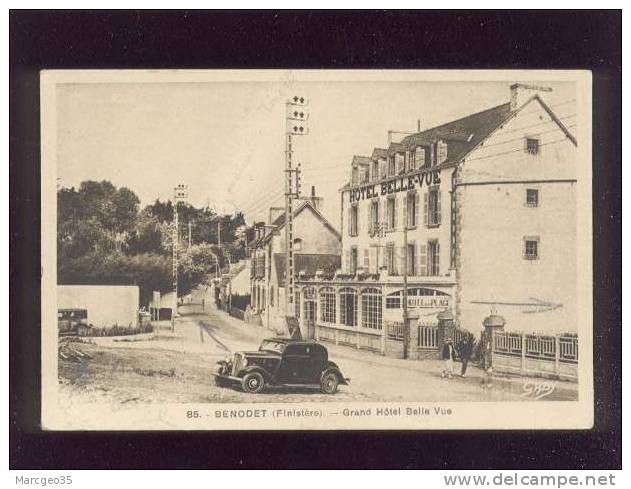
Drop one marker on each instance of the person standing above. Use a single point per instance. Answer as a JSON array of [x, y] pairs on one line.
[[449, 355]]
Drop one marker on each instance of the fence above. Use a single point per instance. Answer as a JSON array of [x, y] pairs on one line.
[[534, 354], [428, 337], [395, 330]]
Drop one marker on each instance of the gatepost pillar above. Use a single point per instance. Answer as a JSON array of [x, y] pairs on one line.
[[445, 329], [413, 316], [492, 325]]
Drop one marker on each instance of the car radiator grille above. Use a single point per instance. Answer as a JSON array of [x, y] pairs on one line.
[[236, 364]]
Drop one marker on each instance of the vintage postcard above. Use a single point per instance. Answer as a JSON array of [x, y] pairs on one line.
[[316, 250]]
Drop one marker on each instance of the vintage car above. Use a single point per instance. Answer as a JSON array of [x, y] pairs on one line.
[[282, 362]]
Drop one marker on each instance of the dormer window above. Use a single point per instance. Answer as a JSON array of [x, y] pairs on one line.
[[382, 169], [441, 152], [355, 176], [375, 170], [399, 159], [391, 166]]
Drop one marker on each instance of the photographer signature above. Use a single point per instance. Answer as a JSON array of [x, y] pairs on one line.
[[538, 389]]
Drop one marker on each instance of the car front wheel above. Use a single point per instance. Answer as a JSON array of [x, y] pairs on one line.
[[329, 383], [253, 383]]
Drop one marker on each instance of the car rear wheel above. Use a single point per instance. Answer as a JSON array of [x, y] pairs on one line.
[[329, 383], [253, 383]]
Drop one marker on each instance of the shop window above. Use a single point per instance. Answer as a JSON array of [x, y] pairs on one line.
[[348, 306], [371, 308], [327, 305]]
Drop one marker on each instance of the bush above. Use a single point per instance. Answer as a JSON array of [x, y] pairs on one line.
[[117, 330]]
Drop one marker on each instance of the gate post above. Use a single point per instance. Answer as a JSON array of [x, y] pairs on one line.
[[492, 324], [445, 329]]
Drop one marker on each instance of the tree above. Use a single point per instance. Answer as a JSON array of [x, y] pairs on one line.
[[196, 265]]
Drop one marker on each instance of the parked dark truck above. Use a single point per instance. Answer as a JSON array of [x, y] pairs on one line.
[[282, 362]]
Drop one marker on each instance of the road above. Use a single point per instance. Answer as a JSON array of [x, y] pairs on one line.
[[176, 367]]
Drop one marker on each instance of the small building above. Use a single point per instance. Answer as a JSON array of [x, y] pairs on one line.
[[107, 305], [316, 247], [477, 214]]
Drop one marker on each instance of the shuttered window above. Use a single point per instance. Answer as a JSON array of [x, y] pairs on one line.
[[433, 207]]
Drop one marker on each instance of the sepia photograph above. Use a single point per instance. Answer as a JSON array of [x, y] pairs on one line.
[[313, 249]]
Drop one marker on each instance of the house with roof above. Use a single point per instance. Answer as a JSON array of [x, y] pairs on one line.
[[316, 246], [477, 215]]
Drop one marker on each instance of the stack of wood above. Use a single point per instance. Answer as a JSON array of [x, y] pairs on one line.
[[71, 353]]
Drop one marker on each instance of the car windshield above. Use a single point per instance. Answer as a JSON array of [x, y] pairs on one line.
[[270, 345]]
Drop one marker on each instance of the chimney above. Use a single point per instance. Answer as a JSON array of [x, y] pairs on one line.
[[315, 201], [520, 93]]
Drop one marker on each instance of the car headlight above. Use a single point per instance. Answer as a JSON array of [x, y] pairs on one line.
[[245, 362]]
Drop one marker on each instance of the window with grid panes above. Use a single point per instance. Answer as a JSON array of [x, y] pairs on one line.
[[348, 306], [371, 308], [531, 247], [433, 258], [327, 305]]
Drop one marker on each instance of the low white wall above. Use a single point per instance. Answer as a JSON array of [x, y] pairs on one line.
[[107, 305]]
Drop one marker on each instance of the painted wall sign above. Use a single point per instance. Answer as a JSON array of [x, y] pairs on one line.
[[422, 302], [402, 184]]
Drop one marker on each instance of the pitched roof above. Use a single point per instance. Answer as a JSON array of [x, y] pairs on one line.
[[379, 153], [309, 263], [361, 160], [462, 135], [279, 222]]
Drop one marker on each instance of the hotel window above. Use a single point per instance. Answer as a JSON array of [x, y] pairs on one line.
[[412, 201], [382, 169], [327, 305], [375, 170], [433, 258], [353, 264], [355, 176], [432, 207], [348, 306], [353, 221], [366, 258], [400, 162], [391, 166], [419, 157], [374, 216], [393, 301], [532, 197], [392, 213], [391, 262], [411, 259], [531, 247], [532, 146], [371, 308]]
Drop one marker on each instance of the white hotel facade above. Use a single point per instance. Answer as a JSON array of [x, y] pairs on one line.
[[489, 202]]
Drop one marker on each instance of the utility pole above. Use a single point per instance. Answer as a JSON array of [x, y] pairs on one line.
[[296, 118], [180, 194], [406, 322]]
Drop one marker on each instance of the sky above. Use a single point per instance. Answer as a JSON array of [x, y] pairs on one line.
[[225, 140]]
